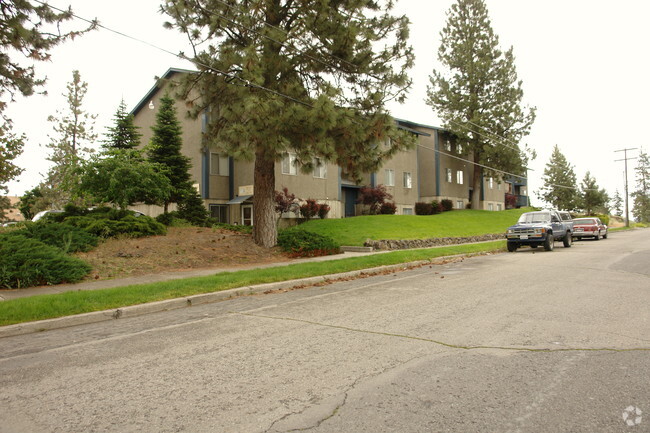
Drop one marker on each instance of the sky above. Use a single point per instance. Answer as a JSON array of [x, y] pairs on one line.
[[584, 65]]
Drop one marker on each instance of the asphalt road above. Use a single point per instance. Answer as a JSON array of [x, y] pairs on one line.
[[530, 341]]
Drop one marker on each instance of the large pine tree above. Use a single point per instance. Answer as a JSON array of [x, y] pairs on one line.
[[310, 77], [165, 149], [560, 188], [592, 198], [70, 144], [477, 93]]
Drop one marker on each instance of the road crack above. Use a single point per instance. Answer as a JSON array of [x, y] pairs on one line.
[[443, 343]]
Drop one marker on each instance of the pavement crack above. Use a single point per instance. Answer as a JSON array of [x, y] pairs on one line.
[[445, 344]]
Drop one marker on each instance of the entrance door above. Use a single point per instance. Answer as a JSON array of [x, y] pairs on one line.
[[247, 215], [350, 201]]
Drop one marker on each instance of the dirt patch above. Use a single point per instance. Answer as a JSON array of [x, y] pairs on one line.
[[181, 249]]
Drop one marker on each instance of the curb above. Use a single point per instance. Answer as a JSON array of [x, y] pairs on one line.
[[188, 301]]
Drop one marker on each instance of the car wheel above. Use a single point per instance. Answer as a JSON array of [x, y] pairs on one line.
[[605, 235], [597, 237], [512, 247], [549, 243], [567, 240]]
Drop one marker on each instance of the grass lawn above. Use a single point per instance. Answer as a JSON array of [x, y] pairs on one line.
[[69, 303], [457, 223]]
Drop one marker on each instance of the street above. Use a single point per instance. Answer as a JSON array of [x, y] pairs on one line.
[[530, 341]]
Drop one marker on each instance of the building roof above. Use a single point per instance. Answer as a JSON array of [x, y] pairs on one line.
[[168, 74]]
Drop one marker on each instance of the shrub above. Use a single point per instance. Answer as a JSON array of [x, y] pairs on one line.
[[191, 207], [323, 210], [117, 223], [511, 201], [422, 208], [447, 205], [167, 218], [301, 243], [388, 208], [28, 262], [436, 207], [374, 198], [309, 209], [286, 202], [604, 219], [68, 238]]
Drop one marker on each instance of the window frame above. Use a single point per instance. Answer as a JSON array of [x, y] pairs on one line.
[[221, 158], [408, 180], [320, 169], [460, 175], [290, 159], [389, 177]]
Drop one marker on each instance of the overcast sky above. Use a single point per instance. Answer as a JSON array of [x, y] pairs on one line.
[[584, 65]]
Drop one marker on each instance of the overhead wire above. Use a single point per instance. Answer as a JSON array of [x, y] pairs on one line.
[[247, 83]]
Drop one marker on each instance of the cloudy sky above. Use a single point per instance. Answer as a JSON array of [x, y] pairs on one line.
[[584, 65]]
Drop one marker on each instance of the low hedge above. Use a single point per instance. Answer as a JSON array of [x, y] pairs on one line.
[[301, 243], [68, 238], [28, 262]]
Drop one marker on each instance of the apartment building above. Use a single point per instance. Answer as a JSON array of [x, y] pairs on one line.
[[437, 168]]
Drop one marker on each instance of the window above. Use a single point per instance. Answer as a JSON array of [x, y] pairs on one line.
[[407, 180], [449, 175], [499, 207], [460, 149], [459, 177], [407, 211], [499, 186], [523, 190], [490, 206], [448, 145], [220, 212], [289, 164], [219, 164], [390, 177], [490, 183], [320, 169], [460, 204]]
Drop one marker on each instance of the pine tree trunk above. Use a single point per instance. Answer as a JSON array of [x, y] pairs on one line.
[[476, 184], [264, 225]]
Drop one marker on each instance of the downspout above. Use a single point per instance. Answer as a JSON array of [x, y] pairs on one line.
[[437, 161]]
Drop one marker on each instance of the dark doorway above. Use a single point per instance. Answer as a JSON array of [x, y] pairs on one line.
[[350, 196]]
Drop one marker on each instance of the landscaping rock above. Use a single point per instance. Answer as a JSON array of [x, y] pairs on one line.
[[428, 243]]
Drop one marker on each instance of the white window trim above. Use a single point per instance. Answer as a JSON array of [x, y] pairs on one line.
[[459, 177], [449, 175], [320, 169], [408, 180], [389, 177], [289, 166]]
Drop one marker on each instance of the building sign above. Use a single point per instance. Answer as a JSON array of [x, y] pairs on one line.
[[245, 190]]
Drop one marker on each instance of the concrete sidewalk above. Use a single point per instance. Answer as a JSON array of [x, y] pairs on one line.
[[9, 294]]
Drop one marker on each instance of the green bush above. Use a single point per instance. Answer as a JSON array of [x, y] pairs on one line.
[[388, 208], [28, 262], [191, 207], [68, 238], [302, 243], [167, 218], [436, 207], [114, 224], [422, 208], [604, 219]]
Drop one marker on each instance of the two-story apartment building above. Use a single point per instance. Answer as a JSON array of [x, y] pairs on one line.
[[437, 168]]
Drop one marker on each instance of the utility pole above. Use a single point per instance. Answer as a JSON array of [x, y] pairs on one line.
[[627, 207]]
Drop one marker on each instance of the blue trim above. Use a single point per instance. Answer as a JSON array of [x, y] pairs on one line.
[[340, 187], [231, 177], [437, 162], [373, 180], [417, 165], [205, 171], [156, 87]]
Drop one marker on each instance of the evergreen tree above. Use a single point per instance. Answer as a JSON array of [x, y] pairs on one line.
[[29, 31], [477, 94], [592, 199], [617, 204], [29, 203], [165, 149], [641, 195], [191, 207], [311, 78], [559, 189], [124, 134], [10, 148], [74, 133]]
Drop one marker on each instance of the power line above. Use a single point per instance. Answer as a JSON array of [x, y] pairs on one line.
[[627, 207]]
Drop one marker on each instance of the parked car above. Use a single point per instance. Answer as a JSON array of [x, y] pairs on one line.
[[589, 227], [539, 228], [41, 214]]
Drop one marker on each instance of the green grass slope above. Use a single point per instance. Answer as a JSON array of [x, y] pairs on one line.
[[457, 223]]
